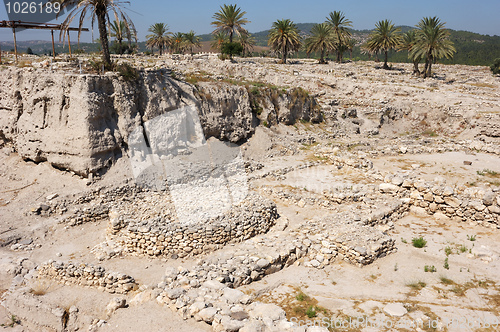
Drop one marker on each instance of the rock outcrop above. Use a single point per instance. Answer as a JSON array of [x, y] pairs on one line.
[[81, 122]]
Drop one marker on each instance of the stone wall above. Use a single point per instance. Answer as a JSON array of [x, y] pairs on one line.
[[87, 275], [158, 237]]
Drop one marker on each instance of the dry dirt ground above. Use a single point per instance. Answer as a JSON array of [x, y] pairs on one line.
[[451, 284]]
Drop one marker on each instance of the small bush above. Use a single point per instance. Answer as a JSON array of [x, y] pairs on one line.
[[231, 49], [446, 281], [430, 268], [448, 251], [446, 265], [302, 297], [311, 312], [128, 72], [495, 67], [471, 237], [417, 285], [419, 242]]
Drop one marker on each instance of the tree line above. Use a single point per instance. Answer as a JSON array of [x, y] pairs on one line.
[[429, 41]]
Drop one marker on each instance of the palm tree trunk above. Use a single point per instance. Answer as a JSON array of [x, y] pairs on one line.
[[285, 51], [416, 71], [385, 59], [231, 36], [322, 60], [429, 70], [103, 34]]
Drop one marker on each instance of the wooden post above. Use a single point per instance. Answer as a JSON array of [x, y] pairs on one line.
[[15, 42], [69, 44], [53, 47]]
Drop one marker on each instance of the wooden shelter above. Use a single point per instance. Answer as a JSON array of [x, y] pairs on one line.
[[41, 26]]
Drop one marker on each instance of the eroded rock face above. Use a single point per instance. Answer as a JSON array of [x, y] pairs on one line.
[[82, 122]]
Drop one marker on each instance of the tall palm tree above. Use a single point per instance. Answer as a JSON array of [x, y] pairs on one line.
[[229, 19], [407, 43], [322, 40], [247, 42], [159, 37], [119, 30], [191, 40], [385, 37], [432, 42], [284, 38], [218, 39], [340, 25], [100, 10], [178, 44]]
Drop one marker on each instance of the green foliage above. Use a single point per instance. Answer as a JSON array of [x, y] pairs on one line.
[[120, 48], [302, 297], [125, 70], [384, 38], [340, 25], [311, 312], [446, 265], [231, 49], [446, 281], [495, 67], [229, 20], [430, 268], [419, 242], [448, 251], [284, 38], [29, 51], [322, 40], [418, 285], [471, 237], [432, 43], [159, 37]]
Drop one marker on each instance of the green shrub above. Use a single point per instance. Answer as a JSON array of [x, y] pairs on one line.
[[128, 72], [495, 67], [231, 49], [419, 242], [311, 312]]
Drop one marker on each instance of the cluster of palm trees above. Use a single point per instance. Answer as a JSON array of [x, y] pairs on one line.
[[178, 42], [429, 41], [331, 36]]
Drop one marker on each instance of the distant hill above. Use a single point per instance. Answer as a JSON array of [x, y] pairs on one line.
[[472, 48]]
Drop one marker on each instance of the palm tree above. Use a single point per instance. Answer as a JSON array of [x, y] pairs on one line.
[[284, 38], [218, 39], [159, 37], [120, 31], [247, 42], [407, 43], [385, 37], [432, 42], [100, 10], [351, 43], [322, 40], [178, 44], [340, 25], [229, 19], [191, 40]]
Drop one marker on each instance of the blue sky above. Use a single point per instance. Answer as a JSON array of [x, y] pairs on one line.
[[184, 15]]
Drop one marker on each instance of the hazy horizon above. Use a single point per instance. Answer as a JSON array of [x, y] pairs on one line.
[[458, 15]]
